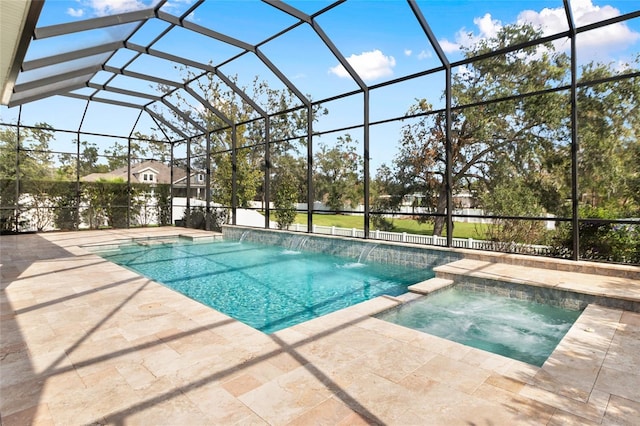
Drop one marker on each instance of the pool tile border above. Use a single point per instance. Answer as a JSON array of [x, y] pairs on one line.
[[370, 250], [399, 253]]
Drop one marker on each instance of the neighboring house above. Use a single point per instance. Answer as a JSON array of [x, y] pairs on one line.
[[197, 184], [153, 172], [461, 200]]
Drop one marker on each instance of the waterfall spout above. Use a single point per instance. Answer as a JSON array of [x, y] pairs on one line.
[[366, 251]]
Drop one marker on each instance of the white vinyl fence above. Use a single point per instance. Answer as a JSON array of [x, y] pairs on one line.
[[433, 240]]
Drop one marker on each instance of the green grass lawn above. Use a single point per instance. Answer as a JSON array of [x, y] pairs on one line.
[[410, 226]]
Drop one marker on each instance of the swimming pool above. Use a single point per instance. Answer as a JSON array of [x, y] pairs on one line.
[[524, 330], [267, 287]]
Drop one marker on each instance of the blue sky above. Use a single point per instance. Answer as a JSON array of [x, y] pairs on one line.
[[380, 39]]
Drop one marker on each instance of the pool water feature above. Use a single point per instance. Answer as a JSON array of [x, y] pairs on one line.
[[266, 287], [519, 329]]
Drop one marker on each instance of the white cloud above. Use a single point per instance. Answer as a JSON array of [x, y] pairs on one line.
[[108, 7], [617, 36], [463, 71], [552, 21], [424, 55], [622, 66], [76, 13], [448, 46], [369, 65], [174, 6], [487, 26]]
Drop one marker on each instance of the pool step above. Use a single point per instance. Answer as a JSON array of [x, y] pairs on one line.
[[620, 292], [431, 285], [209, 238]]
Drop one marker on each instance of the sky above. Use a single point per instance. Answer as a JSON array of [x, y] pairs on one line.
[[380, 39]]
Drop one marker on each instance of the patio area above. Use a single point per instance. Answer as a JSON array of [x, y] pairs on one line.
[[85, 341]]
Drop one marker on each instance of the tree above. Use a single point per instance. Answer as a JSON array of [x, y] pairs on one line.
[[609, 138], [601, 240], [34, 162], [86, 164], [144, 202], [634, 178], [155, 148], [384, 198], [337, 173], [108, 203], [8, 176], [608, 159], [118, 154], [512, 135], [37, 200], [285, 195], [294, 169], [287, 132], [248, 178], [163, 204], [513, 198], [65, 199]]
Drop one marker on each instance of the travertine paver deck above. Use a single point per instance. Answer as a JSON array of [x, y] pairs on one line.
[[85, 341]]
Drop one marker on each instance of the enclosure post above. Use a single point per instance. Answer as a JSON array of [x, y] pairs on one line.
[[16, 204], [188, 183], [366, 163], [448, 178], [234, 175], [309, 169], [267, 172], [129, 188], [129, 182], [78, 194], [207, 184], [171, 179], [449, 160], [575, 217]]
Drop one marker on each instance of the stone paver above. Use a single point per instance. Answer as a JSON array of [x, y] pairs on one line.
[[84, 341]]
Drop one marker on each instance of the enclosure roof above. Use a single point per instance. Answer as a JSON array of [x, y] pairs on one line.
[[127, 57], [83, 58], [17, 21]]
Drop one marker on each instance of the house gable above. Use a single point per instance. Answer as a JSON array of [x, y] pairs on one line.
[[147, 175]]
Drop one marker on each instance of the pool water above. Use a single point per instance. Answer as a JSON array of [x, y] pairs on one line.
[[266, 287], [518, 329]]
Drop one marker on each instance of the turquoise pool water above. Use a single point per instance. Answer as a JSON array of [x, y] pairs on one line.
[[518, 329], [266, 287]]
